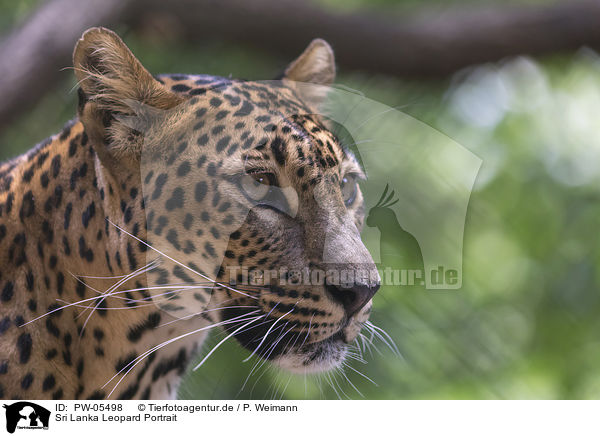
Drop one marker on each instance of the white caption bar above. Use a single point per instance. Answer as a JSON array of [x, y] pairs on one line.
[[300, 417]]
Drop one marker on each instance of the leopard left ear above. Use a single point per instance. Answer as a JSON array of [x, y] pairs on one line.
[[112, 82], [316, 65]]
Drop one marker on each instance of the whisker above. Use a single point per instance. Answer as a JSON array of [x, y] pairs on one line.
[[179, 263], [349, 382], [362, 375], [356, 129], [340, 370], [265, 359], [185, 318], [330, 382], [259, 363], [356, 357], [269, 331], [222, 341], [307, 331], [285, 387], [114, 288], [111, 295], [109, 308], [138, 359], [265, 371], [154, 261], [385, 337]]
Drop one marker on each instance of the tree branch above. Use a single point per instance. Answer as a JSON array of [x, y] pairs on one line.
[[433, 44], [33, 55], [427, 45]]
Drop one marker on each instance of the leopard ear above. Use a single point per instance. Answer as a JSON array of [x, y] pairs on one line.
[[110, 79], [316, 65]]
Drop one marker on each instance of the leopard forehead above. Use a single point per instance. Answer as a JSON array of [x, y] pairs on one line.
[[226, 128], [231, 117]]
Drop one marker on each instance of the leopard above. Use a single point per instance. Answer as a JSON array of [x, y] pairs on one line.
[[130, 235]]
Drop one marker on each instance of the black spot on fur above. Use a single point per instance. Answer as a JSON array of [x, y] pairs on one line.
[[24, 343], [222, 143], [7, 292], [135, 333], [27, 381], [55, 166], [180, 88], [97, 395], [68, 211], [200, 191], [202, 140], [158, 185], [49, 383], [4, 324], [88, 214], [125, 362], [176, 200], [183, 169], [177, 362], [28, 206]]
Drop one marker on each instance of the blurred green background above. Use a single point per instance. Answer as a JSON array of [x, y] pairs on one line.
[[526, 323]]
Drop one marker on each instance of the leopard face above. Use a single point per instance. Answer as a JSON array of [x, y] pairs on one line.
[[174, 205], [247, 187], [244, 176]]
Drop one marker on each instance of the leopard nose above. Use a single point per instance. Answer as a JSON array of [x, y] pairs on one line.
[[355, 298]]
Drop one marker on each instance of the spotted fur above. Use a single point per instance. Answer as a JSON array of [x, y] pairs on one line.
[[153, 164]]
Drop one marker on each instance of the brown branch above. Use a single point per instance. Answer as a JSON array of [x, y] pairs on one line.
[[438, 44], [433, 44], [32, 57]]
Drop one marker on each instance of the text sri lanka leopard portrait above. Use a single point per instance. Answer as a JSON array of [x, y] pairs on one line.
[[92, 278]]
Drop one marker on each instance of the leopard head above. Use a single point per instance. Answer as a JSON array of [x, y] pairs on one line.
[[252, 204]]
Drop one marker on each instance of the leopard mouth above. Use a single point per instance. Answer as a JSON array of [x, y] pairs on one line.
[[315, 357], [286, 346]]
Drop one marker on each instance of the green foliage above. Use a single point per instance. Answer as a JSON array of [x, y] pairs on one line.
[[13, 12], [523, 325]]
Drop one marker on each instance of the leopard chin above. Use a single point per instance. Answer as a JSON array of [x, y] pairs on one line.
[[323, 355], [291, 351], [317, 357]]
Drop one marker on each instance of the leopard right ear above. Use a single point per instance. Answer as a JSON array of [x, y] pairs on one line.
[[110, 79], [315, 66]]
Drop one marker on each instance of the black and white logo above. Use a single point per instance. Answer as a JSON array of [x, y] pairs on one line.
[[26, 415]]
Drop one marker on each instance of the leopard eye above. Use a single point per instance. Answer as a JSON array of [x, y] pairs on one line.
[[349, 187], [256, 186]]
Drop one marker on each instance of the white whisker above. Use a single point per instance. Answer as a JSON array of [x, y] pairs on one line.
[[269, 331], [385, 338], [179, 263], [187, 317], [114, 288], [349, 382], [362, 375], [222, 341], [138, 359]]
